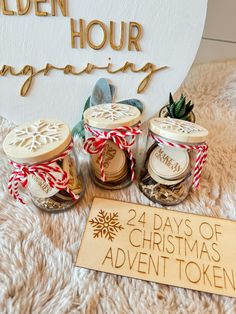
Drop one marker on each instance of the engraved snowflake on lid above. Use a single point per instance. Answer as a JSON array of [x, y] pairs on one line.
[[179, 125], [37, 135], [111, 112]]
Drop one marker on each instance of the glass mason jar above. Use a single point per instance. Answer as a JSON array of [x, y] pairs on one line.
[[44, 162], [111, 132], [176, 152]]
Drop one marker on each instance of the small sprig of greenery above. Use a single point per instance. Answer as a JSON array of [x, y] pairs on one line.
[[180, 109]]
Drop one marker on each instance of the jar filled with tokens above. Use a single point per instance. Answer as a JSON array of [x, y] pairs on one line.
[[111, 140], [44, 162], [176, 153]]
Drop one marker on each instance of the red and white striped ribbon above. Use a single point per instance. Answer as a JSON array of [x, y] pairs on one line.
[[202, 152], [96, 144], [44, 170]]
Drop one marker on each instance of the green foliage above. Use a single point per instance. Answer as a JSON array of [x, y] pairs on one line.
[[102, 93], [179, 109], [133, 102]]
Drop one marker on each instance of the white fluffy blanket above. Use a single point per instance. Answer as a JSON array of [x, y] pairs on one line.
[[38, 250]]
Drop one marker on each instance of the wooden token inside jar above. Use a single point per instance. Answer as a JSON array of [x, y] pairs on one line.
[[114, 163]]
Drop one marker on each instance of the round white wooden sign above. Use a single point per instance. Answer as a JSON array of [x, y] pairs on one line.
[[170, 33]]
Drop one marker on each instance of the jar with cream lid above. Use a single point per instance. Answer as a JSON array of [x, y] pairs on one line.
[[111, 132], [44, 162], [176, 153]]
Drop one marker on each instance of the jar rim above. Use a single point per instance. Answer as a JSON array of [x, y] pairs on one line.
[[110, 129], [176, 141], [45, 161], [179, 131]]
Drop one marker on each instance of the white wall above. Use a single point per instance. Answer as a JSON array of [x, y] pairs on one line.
[[219, 38]]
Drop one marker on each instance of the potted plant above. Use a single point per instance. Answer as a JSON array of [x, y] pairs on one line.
[[179, 109]]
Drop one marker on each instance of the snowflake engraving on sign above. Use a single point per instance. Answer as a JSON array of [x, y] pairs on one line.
[[106, 225], [111, 112], [181, 126], [36, 135]]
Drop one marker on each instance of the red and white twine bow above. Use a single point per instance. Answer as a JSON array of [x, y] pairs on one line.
[[46, 171], [96, 144], [202, 152]]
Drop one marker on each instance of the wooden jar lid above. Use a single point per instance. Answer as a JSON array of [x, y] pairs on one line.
[[178, 130], [37, 142], [110, 116]]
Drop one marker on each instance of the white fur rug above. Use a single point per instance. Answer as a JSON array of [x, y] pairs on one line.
[[38, 250]]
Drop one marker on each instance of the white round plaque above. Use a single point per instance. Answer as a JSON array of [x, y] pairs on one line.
[[170, 35]]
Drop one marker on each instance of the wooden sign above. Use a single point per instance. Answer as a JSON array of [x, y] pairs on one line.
[[160, 245], [54, 51]]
